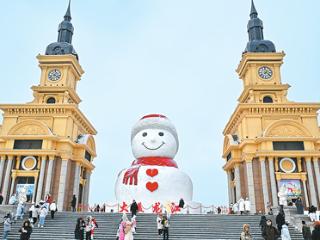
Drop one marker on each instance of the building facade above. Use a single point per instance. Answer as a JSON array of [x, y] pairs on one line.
[[270, 141], [47, 145]]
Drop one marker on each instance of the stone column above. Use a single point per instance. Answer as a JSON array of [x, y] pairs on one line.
[[264, 183], [229, 187], [250, 180], [35, 187], [7, 178], [62, 184], [41, 178], [76, 182], [273, 183], [237, 181], [313, 195], [2, 161], [49, 175], [86, 200], [13, 180], [305, 192], [317, 173]]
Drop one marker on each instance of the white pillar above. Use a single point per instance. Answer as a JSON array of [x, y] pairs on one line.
[[273, 183], [237, 181], [62, 184], [49, 175], [229, 187], [76, 180], [13, 179], [317, 173], [264, 183], [87, 188], [252, 197], [2, 161], [7, 179], [311, 182], [305, 193], [41, 177]]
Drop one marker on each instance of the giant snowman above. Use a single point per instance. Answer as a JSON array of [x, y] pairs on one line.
[[154, 176]]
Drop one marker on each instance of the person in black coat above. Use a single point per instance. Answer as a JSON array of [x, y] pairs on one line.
[[77, 230], [299, 206], [25, 230], [74, 203], [316, 231], [280, 220], [263, 223], [181, 203], [306, 232], [1, 198], [134, 208]]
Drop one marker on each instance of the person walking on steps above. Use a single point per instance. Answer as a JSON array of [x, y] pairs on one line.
[[7, 226], [263, 223], [165, 228], [133, 208], [25, 230], [306, 232], [74, 203], [53, 209], [270, 232], [285, 235], [181, 203], [316, 231], [280, 220], [246, 235], [159, 224]]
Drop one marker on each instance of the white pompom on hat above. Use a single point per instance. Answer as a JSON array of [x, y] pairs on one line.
[[154, 121]]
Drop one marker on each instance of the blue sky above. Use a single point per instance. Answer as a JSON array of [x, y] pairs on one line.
[[175, 57]]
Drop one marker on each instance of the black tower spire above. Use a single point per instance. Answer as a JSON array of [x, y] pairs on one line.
[[64, 44], [255, 30]]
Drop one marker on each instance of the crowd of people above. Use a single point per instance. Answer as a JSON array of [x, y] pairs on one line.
[[37, 214], [85, 227], [242, 206]]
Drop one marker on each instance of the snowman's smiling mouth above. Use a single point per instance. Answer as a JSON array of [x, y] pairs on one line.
[[153, 149]]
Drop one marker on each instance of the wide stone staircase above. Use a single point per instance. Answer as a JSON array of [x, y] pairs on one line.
[[186, 227]]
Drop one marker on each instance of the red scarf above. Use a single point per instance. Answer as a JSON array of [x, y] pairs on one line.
[[131, 175]]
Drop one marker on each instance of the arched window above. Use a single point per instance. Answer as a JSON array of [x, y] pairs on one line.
[[267, 99], [51, 100]]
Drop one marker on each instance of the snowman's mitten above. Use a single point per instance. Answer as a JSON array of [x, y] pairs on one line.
[[131, 176]]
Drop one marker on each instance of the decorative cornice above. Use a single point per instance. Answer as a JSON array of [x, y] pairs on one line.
[[247, 89], [55, 109], [290, 108]]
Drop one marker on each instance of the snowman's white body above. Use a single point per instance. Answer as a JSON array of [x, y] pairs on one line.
[[171, 183]]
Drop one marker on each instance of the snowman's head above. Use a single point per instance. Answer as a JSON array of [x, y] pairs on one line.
[[154, 136]]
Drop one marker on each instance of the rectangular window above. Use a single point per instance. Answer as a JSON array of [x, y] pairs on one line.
[[229, 156], [27, 144], [87, 156], [287, 146]]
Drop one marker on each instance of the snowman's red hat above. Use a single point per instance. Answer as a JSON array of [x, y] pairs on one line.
[[154, 121]]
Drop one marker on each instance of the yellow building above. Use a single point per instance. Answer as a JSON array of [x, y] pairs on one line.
[[270, 141], [47, 145]]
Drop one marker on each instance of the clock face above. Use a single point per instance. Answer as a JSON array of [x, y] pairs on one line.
[[54, 75], [265, 72]]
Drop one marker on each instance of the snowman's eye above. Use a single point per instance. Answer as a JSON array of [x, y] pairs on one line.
[[161, 134], [144, 134]]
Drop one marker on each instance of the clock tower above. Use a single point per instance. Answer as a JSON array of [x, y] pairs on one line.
[[270, 143], [47, 146]]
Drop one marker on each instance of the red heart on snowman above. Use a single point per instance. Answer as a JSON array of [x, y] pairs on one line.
[[152, 172], [152, 186]]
